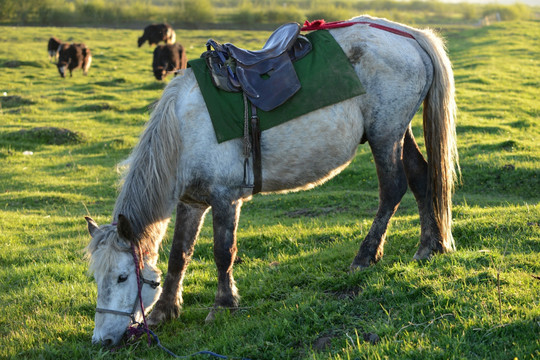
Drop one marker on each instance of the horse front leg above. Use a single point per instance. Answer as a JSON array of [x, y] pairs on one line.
[[392, 187], [225, 215], [189, 220]]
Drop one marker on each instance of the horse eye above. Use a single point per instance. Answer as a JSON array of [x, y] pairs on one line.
[[122, 278]]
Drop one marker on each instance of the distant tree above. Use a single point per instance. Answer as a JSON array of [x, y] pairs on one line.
[[195, 11], [7, 9]]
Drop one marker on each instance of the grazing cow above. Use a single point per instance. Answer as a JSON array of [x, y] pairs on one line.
[[168, 58], [53, 47], [73, 56], [158, 32]]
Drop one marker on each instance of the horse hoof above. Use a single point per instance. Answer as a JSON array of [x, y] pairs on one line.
[[362, 262], [219, 309], [423, 254], [211, 316], [162, 313], [357, 267], [155, 318]]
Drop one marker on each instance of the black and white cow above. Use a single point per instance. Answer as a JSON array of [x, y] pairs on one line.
[[73, 56], [52, 47], [168, 58], [158, 32]]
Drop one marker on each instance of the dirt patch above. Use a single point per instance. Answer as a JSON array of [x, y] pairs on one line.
[[47, 135], [95, 107], [14, 101]]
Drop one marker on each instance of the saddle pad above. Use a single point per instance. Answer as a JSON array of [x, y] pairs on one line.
[[326, 75]]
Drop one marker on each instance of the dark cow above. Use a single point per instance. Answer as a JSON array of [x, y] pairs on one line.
[[73, 56], [52, 47], [158, 32], [168, 58]]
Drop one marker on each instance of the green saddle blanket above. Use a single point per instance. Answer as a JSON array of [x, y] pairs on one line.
[[326, 75]]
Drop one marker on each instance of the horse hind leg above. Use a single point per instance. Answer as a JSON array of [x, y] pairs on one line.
[[189, 220], [392, 187], [416, 169]]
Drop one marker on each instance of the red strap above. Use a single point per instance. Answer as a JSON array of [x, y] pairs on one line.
[[321, 24]]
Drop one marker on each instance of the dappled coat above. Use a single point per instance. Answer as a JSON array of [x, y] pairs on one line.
[[73, 56], [168, 58], [157, 32]]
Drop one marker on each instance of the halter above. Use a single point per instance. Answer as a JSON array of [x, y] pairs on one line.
[[140, 282]]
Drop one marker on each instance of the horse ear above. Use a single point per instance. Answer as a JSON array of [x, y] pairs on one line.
[[124, 228], [92, 225]]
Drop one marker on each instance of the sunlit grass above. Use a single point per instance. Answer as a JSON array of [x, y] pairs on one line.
[[299, 300]]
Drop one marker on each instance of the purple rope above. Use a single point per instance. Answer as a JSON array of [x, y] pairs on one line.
[[139, 289], [137, 331]]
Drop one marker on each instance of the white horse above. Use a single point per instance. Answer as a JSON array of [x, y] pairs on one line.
[[178, 162]]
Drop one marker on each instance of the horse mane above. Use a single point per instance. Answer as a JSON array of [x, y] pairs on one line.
[[103, 249], [148, 189]]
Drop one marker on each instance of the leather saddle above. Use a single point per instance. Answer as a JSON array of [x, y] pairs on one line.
[[267, 76]]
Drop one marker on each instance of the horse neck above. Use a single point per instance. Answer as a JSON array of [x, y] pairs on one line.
[[148, 194], [147, 216], [147, 208]]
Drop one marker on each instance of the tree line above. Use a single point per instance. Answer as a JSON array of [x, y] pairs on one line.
[[238, 13]]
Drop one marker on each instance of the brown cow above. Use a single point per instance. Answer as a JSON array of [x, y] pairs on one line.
[[168, 58], [52, 47], [73, 56], [158, 32]]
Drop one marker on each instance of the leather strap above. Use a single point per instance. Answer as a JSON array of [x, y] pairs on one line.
[[256, 149]]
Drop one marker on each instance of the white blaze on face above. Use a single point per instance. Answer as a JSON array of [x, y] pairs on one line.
[[117, 290]]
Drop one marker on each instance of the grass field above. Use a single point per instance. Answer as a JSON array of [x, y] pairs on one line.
[[298, 299]]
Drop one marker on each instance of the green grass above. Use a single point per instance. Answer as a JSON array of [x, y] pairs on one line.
[[299, 300]]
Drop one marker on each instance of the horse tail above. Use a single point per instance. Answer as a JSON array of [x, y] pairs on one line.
[[148, 190], [439, 121]]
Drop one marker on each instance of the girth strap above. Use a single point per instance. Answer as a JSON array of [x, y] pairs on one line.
[[252, 147], [256, 149]]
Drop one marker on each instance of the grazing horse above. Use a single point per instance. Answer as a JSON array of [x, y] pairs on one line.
[[178, 163]]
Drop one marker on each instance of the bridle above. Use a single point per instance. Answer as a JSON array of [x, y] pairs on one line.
[[135, 329], [140, 282]]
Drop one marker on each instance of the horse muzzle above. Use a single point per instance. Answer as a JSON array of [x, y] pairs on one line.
[[160, 73], [109, 330], [106, 341]]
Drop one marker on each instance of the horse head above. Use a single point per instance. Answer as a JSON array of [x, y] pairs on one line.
[[115, 262]]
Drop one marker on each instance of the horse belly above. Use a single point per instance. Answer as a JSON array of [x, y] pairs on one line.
[[311, 149]]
